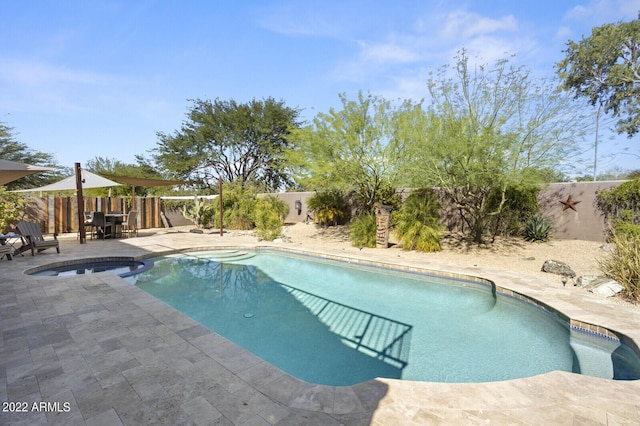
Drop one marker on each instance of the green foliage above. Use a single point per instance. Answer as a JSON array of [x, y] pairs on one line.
[[486, 129], [238, 208], [604, 69], [329, 208], [515, 205], [621, 203], [240, 142], [417, 222], [537, 229], [348, 150], [11, 204], [362, 230], [623, 264], [269, 217]]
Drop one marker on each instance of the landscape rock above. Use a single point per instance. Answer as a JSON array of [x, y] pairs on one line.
[[585, 280], [604, 286], [557, 267]]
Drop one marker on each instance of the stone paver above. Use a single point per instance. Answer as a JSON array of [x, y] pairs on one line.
[[95, 350]]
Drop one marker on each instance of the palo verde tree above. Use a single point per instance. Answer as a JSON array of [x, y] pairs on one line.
[[605, 69], [242, 142], [348, 151], [486, 130]]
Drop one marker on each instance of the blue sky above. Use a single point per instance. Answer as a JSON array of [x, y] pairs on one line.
[[81, 79]]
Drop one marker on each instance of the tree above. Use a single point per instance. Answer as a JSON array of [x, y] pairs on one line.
[[13, 150], [605, 68], [348, 150], [234, 141], [486, 130]]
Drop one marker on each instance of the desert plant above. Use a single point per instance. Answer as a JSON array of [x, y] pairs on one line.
[[238, 206], [362, 230], [417, 222], [623, 264], [11, 204], [537, 229], [620, 203], [514, 205], [328, 207], [195, 212], [269, 217]]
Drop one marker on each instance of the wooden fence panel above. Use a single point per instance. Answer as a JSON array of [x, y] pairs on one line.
[[60, 214]]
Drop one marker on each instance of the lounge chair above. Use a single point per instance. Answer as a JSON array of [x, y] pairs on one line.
[[35, 241]]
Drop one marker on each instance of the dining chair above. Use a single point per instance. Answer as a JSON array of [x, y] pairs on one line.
[[99, 225], [129, 225]]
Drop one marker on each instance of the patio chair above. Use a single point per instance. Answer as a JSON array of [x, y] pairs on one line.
[[35, 241], [98, 225], [130, 225]]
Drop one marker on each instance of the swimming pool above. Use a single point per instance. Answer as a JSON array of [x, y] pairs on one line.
[[338, 323]]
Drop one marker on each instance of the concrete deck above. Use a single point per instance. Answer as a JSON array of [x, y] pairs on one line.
[[96, 350]]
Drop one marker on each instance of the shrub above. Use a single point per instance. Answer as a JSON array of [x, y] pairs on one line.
[[537, 229], [620, 203], [238, 207], [623, 264], [520, 202], [328, 207], [417, 222], [11, 204], [362, 230], [269, 217]]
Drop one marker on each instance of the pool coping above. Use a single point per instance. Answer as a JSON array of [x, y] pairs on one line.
[[556, 397]]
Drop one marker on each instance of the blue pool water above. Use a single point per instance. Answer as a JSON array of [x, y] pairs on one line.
[[339, 324]]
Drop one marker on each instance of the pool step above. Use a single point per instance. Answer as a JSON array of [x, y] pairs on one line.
[[224, 255]]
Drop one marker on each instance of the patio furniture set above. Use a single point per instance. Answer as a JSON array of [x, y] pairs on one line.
[[112, 225]]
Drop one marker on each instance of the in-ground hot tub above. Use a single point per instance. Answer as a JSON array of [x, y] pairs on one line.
[[121, 266]]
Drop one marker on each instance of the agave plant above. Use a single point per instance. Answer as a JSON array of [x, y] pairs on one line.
[[537, 229]]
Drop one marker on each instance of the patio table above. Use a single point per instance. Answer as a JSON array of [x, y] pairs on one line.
[[12, 239], [115, 219]]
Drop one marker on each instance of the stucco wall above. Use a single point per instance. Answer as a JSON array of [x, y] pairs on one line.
[[586, 222], [290, 198]]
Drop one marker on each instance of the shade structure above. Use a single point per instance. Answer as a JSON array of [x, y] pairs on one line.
[[12, 170], [89, 180], [135, 181]]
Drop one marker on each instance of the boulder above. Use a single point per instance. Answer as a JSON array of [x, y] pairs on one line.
[[604, 286], [557, 267]]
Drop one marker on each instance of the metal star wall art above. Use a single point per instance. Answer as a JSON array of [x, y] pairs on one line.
[[569, 204]]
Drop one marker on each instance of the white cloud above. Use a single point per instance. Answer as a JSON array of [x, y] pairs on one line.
[[598, 12], [462, 24], [38, 73], [389, 51]]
